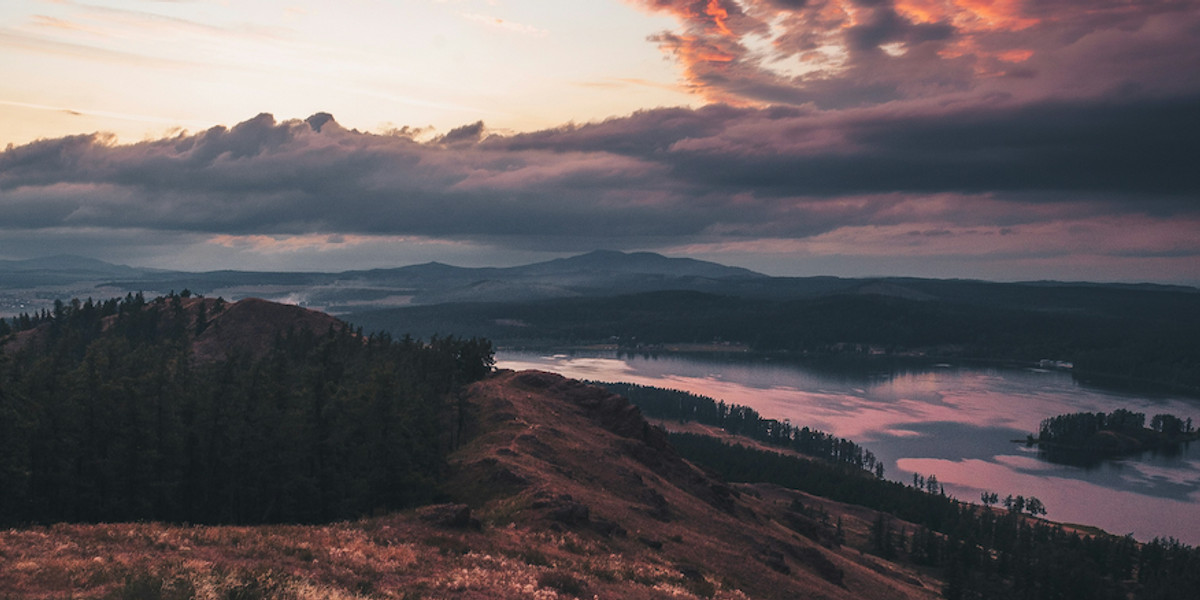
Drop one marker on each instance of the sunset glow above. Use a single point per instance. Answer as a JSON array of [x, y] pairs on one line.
[[945, 138]]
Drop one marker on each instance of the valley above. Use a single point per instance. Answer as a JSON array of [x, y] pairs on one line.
[[965, 424], [466, 482]]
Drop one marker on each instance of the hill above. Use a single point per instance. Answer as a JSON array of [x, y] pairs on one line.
[[285, 415], [190, 410], [534, 514], [61, 268], [32, 285], [325, 464], [1111, 334], [213, 328]]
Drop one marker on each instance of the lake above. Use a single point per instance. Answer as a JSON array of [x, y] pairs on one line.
[[957, 422]]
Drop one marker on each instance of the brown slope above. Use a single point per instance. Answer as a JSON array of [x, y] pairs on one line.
[[251, 325], [247, 326], [560, 455], [573, 494]]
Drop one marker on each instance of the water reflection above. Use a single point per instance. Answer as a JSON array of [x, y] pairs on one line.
[[1086, 459], [956, 422]]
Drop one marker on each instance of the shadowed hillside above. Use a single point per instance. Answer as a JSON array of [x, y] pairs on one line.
[[562, 490], [423, 474], [190, 410]]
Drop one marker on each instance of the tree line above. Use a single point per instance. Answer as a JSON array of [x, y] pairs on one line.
[[741, 420], [1078, 428], [1086, 438], [1114, 335], [109, 418], [981, 553]]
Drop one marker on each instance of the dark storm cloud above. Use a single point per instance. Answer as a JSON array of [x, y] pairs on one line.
[[789, 4], [1135, 149], [1143, 147], [465, 134], [667, 175], [263, 176], [1087, 108], [644, 134], [884, 25]]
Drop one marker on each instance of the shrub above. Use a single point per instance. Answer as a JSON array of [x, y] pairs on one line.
[[562, 581]]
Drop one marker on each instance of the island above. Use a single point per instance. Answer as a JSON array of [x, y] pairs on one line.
[[1087, 438]]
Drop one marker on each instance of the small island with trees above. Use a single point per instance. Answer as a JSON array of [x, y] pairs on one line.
[[1087, 438]]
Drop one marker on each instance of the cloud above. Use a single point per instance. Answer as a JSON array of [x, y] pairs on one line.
[[991, 130], [846, 53], [465, 134], [676, 175], [1050, 147]]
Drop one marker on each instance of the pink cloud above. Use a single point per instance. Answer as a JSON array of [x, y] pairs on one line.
[[1047, 183], [851, 54]]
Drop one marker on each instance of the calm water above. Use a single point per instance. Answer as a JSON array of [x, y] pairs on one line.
[[955, 422]]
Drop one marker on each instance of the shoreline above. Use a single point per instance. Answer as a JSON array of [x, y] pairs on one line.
[[743, 352]]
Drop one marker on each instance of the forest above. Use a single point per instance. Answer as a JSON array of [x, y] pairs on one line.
[[1114, 336], [109, 418], [1086, 437], [980, 552], [745, 421]]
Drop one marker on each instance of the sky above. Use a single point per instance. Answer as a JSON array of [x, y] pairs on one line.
[[985, 139]]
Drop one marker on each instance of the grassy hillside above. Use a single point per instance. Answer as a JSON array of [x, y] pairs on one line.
[[423, 474], [536, 514]]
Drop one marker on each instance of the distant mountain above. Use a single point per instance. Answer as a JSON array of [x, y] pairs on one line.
[[599, 261], [35, 284], [602, 273], [642, 263], [60, 270]]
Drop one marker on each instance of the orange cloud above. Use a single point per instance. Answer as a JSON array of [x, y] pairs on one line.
[[714, 56], [1015, 56], [969, 15], [994, 15], [923, 11], [820, 43], [702, 57], [719, 16]]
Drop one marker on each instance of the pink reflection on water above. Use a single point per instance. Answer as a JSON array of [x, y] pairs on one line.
[[986, 399], [592, 369], [863, 410], [1066, 499], [896, 414], [846, 413], [1142, 472]]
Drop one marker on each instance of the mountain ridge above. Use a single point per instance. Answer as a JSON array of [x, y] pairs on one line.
[[34, 285], [529, 484], [612, 260], [551, 487]]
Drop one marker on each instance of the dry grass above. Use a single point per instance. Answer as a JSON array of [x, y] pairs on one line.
[[653, 528], [392, 557], [102, 560]]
